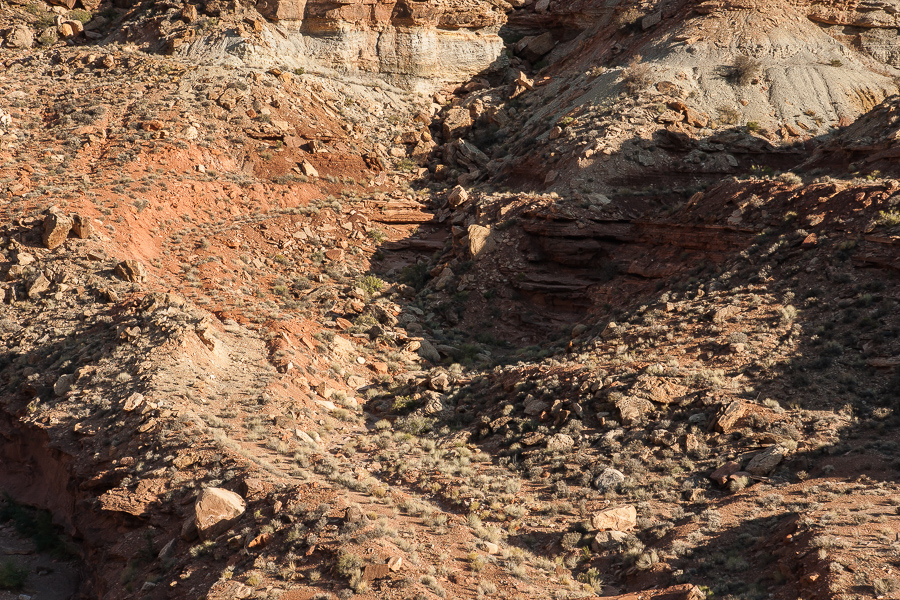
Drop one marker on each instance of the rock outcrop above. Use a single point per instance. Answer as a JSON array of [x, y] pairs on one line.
[[416, 45]]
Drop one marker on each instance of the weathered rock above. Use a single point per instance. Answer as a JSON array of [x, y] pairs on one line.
[[608, 479], [20, 37], [216, 510], [457, 123], [534, 406], [131, 270], [56, 229], [605, 539], [766, 461], [659, 389], [536, 47], [308, 169], [730, 415], [63, 384], [721, 474], [395, 563], [427, 351], [458, 196], [633, 409], [373, 572], [82, 227], [480, 241], [133, 401], [620, 518], [38, 285]]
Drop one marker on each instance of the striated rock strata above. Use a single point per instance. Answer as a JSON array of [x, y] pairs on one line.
[[416, 45]]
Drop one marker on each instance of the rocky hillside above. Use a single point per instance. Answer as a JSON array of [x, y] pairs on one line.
[[457, 299]]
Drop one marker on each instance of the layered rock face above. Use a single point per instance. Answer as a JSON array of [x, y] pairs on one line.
[[413, 44]]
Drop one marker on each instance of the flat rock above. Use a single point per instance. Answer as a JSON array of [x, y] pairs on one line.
[[620, 518], [766, 461]]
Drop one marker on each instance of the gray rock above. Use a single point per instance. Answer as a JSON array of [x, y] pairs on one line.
[[766, 461], [608, 479]]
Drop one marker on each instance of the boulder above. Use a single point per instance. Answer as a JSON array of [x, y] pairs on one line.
[[608, 479], [63, 384], [20, 37], [457, 123], [56, 229], [216, 511], [620, 518], [131, 270], [480, 241], [537, 47], [458, 196], [766, 461]]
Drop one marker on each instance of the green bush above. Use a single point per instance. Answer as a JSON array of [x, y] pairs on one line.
[[12, 577]]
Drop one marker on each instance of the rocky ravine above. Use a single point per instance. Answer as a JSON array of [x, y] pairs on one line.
[[255, 341]]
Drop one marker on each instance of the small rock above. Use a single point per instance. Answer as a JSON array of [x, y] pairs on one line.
[[721, 474], [38, 286], [82, 227], [133, 401], [308, 169], [395, 563], [491, 548]]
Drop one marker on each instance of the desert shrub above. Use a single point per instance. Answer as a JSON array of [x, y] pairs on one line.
[[12, 576], [348, 565], [789, 178], [744, 70], [638, 75]]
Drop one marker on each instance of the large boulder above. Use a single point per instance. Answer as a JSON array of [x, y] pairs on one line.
[[216, 511]]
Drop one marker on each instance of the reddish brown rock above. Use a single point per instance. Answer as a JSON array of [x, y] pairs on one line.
[[216, 510], [721, 474], [56, 229]]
